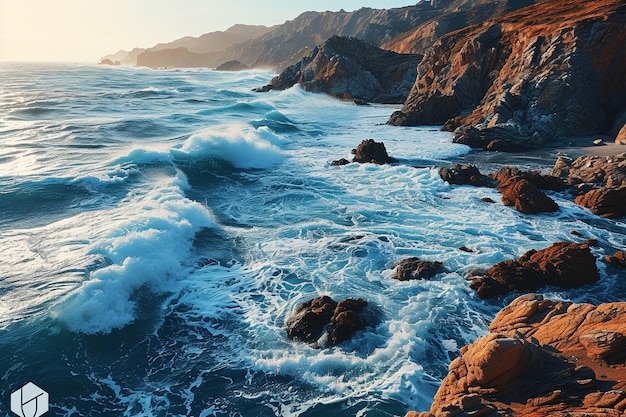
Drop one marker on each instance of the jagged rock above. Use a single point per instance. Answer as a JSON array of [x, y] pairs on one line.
[[341, 320], [541, 358], [544, 182], [310, 318], [617, 259], [465, 175], [564, 264], [525, 197], [516, 82], [370, 151], [233, 65], [414, 268], [349, 68], [347, 319], [601, 170], [609, 202]]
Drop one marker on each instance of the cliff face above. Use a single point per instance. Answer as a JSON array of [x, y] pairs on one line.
[[456, 16], [349, 68], [548, 71], [541, 358]]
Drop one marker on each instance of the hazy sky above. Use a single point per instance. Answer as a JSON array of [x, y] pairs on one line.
[[85, 30]]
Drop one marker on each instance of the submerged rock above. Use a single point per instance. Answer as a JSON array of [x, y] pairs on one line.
[[617, 259], [564, 264], [414, 268]]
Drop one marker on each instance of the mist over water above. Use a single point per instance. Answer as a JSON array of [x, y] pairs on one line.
[[157, 228]]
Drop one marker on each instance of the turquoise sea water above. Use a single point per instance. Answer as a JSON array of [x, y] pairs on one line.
[[158, 227]]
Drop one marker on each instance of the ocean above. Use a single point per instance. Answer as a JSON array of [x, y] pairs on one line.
[[158, 227]]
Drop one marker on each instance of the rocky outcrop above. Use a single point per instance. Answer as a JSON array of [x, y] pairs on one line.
[[414, 268], [608, 202], [564, 264], [601, 171], [541, 73], [526, 197], [541, 181], [465, 175], [370, 151], [600, 182], [233, 65], [541, 358], [349, 68], [324, 322]]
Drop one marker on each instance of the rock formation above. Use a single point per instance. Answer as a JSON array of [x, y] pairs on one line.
[[370, 151], [600, 182], [324, 322], [564, 264], [516, 82], [349, 68], [414, 268], [541, 358], [465, 175], [525, 197]]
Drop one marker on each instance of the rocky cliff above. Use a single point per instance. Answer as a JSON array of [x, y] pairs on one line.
[[552, 70], [541, 358], [350, 68]]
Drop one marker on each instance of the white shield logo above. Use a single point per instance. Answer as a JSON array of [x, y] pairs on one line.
[[29, 401]]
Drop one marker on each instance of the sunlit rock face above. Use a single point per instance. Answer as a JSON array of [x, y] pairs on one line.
[[541, 73]]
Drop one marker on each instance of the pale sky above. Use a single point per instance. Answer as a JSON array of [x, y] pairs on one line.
[[86, 30]]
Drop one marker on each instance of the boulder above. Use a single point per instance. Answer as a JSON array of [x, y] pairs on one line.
[[370, 151], [465, 175], [347, 319], [541, 358], [564, 264], [322, 321], [608, 202], [339, 162], [526, 197], [310, 318], [414, 268]]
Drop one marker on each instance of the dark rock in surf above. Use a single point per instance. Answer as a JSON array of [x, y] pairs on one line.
[[465, 175], [347, 319], [310, 318], [322, 321], [414, 268], [370, 151]]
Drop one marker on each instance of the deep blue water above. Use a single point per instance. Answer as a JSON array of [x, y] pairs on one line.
[[158, 227]]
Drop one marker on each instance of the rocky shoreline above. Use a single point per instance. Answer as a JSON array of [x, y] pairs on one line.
[[542, 357]]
